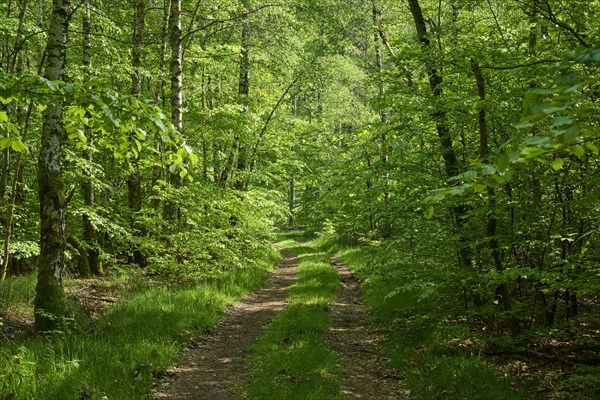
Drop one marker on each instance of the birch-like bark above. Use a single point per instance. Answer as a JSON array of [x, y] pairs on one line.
[[170, 211], [49, 304], [157, 171]]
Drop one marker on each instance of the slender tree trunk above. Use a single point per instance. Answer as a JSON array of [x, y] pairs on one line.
[[243, 91], [6, 156], [12, 67], [502, 290], [441, 123], [157, 171], [176, 65], [10, 213], [385, 230], [90, 236], [49, 304], [134, 182], [171, 211], [292, 200]]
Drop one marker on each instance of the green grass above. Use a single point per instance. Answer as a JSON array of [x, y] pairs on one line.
[[17, 293], [290, 360], [127, 349], [420, 331]]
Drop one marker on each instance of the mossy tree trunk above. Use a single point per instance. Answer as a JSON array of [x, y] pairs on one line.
[[49, 305]]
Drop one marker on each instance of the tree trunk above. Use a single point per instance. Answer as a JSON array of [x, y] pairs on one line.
[[502, 290], [49, 304], [12, 67], [84, 262], [90, 236], [292, 201], [157, 171], [243, 91], [134, 182], [176, 65], [443, 131], [171, 212], [384, 230]]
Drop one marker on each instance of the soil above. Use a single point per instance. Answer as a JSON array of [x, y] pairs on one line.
[[214, 367], [366, 375]]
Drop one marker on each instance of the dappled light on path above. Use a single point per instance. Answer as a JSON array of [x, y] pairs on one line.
[[213, 367]]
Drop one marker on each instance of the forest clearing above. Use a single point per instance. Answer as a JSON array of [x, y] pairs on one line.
[[336, 199]]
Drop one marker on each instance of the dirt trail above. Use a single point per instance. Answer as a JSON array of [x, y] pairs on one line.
[[365, 375], [214, 367]]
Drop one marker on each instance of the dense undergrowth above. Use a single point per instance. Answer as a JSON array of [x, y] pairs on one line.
[[290, 360], [444, 352], [119, 354]]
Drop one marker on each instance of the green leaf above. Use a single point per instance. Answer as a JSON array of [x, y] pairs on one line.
[[524, 125], [537, 140], [182, 153], [429, 212], [577, 150], [558, 163], [18, 146], [479, 187], [193, 159], [503, 162], [4, 143], [3, 117], [592, 147]]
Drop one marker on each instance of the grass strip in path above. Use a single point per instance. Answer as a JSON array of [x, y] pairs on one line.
[[291, 361]]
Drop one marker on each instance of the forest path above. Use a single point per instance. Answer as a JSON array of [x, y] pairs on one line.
[[214, 365], [366, 375]]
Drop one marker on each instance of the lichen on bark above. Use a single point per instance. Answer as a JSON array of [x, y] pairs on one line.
[[49, 304]]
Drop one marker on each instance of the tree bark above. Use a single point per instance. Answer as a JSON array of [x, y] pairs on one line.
[[49, 304], [441, 123], [134, 181], [157, 171], [243, 91], [176, 65], [171, 211], [292, 201], [503, 290], [90, 236]]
